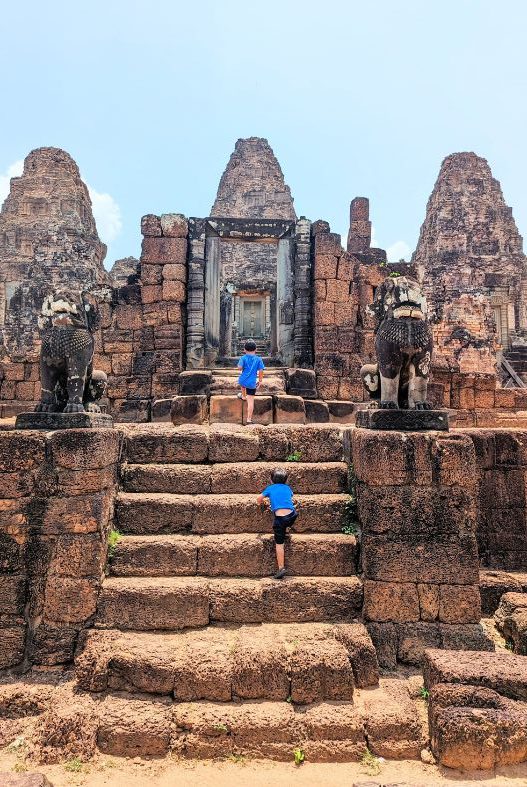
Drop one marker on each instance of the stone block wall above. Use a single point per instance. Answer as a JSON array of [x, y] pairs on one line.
[[140, 344], [56, 506], [501, 458], [417, 503]]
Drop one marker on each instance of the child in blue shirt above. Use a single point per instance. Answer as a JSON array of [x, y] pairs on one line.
[[251, 369], [280, 497]]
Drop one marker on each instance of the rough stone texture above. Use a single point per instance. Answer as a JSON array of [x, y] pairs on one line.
[[477, 708], [511, 620], [470, 259], [252, 185], [502, 519], [24, 780], [403, 420], [189, 410], [53, 539], [417, 505], [125, 271]]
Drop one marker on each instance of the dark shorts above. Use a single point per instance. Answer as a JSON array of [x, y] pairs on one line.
[[280, 525], [250, 391]]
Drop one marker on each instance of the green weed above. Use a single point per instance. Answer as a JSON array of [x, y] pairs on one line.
[[509, 645], [296, 456], [221, 727], [238, 758], [424, 693], [74, 765], [371, 763], [20, 767], [395, 274], [113, 539], [299, 756]]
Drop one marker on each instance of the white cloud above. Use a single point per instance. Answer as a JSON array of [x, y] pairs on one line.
[[12, 171], [399, 250], [107, 214]]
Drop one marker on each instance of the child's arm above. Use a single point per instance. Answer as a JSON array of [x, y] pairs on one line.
[[260, 378], [260, 499]]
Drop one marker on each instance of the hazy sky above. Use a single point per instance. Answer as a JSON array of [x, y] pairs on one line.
[[356, 98]]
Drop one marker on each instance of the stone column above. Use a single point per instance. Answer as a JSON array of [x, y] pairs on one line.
[[417, 504], [195, 353], [303, 332], [212, 299], [284, 300]]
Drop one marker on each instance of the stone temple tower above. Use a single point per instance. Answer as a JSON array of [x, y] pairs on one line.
[[471, 261], [249, 272], [48, 238], [252, 186]]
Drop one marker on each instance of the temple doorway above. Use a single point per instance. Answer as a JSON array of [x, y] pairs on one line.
[[252, 320]]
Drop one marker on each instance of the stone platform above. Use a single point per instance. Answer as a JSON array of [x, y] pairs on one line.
[[403, 420], [52, 421]]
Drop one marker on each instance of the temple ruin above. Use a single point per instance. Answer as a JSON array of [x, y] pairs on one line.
[[254, 269], [138, 617]]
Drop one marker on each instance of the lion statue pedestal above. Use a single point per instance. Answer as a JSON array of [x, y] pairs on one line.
[[399, 379], [71, 387]]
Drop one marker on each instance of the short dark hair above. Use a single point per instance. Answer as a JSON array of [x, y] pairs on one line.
[[279, 476], [250, 345]]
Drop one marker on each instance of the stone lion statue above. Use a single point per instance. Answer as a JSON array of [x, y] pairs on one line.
[[68, 320], [403, 342]]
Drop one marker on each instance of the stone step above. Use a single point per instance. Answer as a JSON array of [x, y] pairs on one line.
[[172, 603], [301, 663], [383, 721], [494, 583], [242, 555], [224, 443], [141, 513], [234, 478]]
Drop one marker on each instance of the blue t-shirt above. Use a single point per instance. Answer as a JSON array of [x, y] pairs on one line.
[[250, 366], [280, 496]]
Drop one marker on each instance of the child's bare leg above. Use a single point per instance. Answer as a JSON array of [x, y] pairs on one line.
[[280, 556], [250, 407], [243, 392]]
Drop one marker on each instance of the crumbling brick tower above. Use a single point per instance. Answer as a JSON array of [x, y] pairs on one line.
[[48, 238], [471, 261]]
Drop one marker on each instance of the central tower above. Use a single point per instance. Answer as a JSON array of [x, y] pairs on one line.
[[248, 247]]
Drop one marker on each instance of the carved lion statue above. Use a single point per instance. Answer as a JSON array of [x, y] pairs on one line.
[[403, 342], [67, 321]]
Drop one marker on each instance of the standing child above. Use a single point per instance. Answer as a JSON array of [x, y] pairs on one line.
[[281, 499], [251, 369]]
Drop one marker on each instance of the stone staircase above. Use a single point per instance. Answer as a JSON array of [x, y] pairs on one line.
[[195, 649], [225, 382]]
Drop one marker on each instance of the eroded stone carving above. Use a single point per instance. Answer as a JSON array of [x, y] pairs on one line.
[[68, 320], [403, 344]]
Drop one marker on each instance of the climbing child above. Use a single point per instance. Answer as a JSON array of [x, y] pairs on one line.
[[251, 369], [280, 497]]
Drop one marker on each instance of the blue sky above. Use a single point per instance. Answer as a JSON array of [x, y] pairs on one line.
[[356, 98]]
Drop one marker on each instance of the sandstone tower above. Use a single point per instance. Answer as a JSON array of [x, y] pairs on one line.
[[470, 258], [252, 186], [48, 237]]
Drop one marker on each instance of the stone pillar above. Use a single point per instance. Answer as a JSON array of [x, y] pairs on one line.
[[417, 504], [58, 491], [284, 300], [303, 342], [195, 345], [359, 235], [212, 299]]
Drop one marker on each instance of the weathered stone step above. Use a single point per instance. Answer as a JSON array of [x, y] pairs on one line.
[[494, 583], [302, 663], [237, 555], [149, 513], [171, 603], [383, 720], [166, 444], [234, 478]]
